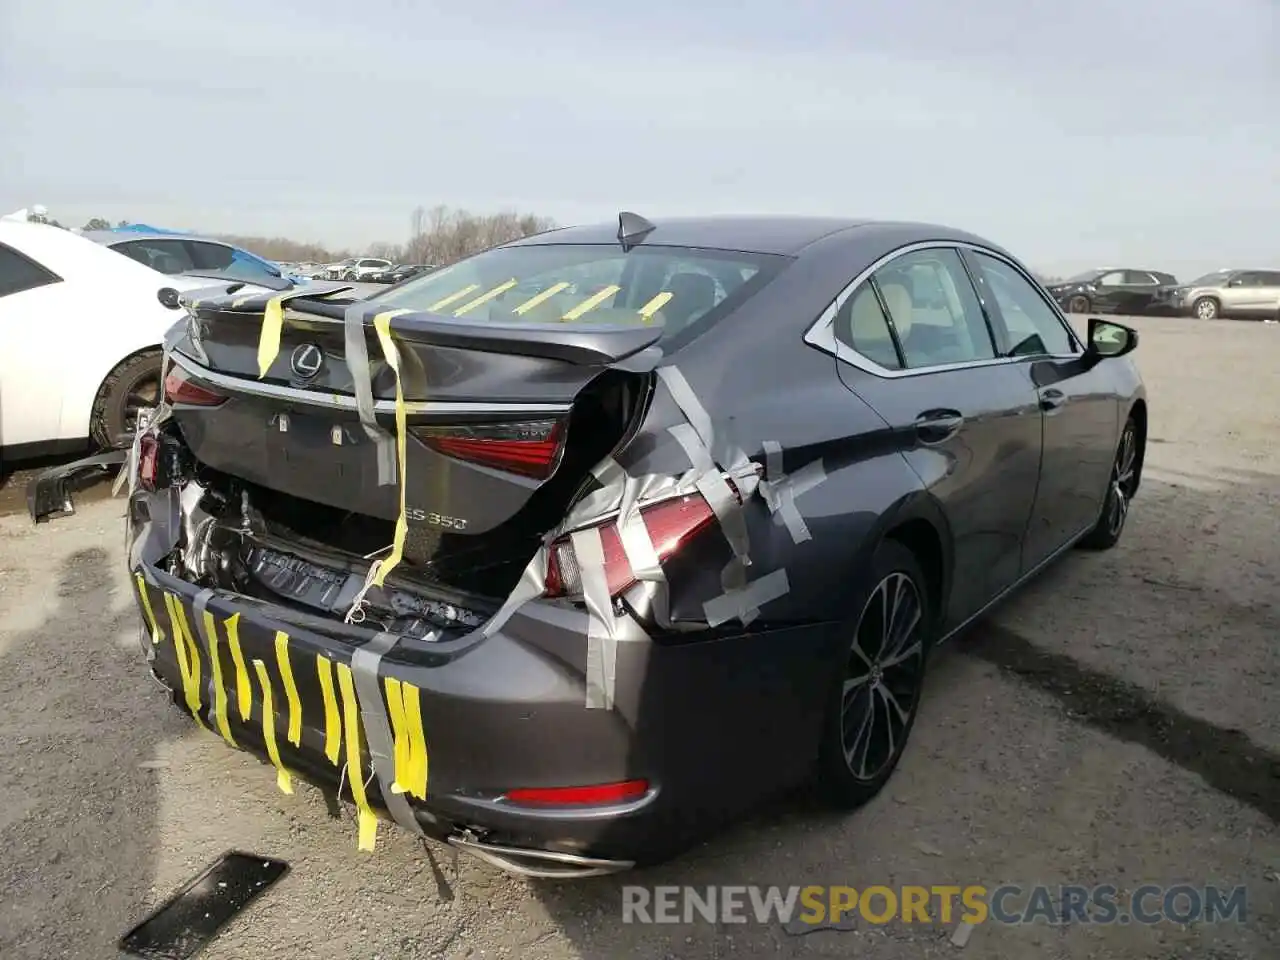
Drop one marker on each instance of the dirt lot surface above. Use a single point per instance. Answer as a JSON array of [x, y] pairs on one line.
[[1115, 723]]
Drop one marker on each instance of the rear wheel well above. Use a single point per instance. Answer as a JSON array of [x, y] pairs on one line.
[[99, 431], [921, 538], [1139, 414]]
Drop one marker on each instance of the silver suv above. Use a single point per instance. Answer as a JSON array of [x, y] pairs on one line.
[[1242, 294]]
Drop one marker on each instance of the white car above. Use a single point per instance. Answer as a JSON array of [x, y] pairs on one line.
[[80, 334], [366, 267]]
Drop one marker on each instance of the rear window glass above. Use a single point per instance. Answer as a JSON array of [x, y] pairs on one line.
[[679, 287]]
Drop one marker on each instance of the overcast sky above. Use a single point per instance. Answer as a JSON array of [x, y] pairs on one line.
[[1082, 132]]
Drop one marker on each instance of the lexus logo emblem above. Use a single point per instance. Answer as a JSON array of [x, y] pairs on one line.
[[306, 361]]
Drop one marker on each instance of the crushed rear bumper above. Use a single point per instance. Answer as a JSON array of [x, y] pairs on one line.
[[710, 723]]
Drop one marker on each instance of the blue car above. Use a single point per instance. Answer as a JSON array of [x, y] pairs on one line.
[[173, 253]]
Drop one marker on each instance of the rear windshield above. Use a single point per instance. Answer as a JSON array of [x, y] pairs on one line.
[[680, 287]]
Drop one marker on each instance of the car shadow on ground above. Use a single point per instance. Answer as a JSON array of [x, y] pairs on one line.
[[1048, 727], [79, 818]]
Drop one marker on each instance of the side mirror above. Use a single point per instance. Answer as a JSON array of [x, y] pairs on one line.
[[1107, 340], [169, 297]]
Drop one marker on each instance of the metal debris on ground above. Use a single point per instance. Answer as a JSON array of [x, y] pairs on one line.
[[962, 934], [193, 916]]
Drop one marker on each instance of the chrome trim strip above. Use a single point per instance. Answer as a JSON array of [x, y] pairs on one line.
[[337, 401], [559, 866], [821, 334]]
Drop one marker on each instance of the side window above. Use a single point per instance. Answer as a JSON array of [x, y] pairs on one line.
[[1034, 327], [1139, 278], [18, 273], [934, 309], [167, 256], [862, 326], [933, 316], [1271, 279], [1113, 279]]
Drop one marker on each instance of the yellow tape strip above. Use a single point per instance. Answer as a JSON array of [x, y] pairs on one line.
[[269, 338], [157, 635], [290, 688], [382, 324], [219, 692], [399, 735], [591, 303], [417, 741], [453, 298], [244, 690], [184, 646], [542, 297], [485, 297], [368, 821], [654, 305], [283, 780], [332, 722]]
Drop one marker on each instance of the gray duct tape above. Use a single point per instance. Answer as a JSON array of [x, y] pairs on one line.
[[532, 584], [780, 490], [602, 648], [198, 608], [745, 603], [612, 479], [364, 671], [688, 403], [357, 356]]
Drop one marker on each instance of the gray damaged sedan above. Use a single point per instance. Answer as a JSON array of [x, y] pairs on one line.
[[571, 551]]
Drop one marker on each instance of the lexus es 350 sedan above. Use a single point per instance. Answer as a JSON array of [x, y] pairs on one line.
[[569, 551]]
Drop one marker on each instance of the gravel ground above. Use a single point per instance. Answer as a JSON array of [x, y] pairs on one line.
[[1114, 723]]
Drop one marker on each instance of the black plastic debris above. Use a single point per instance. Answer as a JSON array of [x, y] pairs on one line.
[[192, 917]]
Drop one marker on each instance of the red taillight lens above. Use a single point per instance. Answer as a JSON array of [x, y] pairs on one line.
[[597, 795], [670, 524], [148, 462], [530, 449], [179, 389]]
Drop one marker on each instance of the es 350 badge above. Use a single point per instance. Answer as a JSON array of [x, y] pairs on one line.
[[418, 515]]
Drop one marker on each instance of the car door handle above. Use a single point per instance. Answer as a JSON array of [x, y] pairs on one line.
[[934, 426]]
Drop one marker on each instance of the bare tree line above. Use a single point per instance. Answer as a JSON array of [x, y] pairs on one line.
[[439, 235]]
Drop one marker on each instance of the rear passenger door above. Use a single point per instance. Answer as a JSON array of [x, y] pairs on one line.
[[915, 345], [1080, 416]]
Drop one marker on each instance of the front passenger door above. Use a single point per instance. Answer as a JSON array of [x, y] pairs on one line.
[[1080, 417]]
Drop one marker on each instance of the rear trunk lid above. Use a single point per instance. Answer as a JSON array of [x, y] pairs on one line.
[[505, 420]]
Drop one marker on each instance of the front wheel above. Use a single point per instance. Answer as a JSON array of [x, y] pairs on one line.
[[1206, 308], [1078, 304], [1120, 491], [873, 700]]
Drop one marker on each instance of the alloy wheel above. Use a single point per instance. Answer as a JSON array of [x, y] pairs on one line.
[[883, 677], [1206, 309], [1122, 477], [1078, 305]]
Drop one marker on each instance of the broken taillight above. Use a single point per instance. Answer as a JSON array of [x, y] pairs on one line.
[[148, 462], [179, 388], [530, 448], [670, 523]]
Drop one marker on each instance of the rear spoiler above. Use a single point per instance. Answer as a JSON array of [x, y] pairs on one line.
[[579, 342]]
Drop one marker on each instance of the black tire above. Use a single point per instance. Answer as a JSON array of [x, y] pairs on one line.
[[864, 735], [1120, 490], [1207, 308], [1079, 304], [133, 384]]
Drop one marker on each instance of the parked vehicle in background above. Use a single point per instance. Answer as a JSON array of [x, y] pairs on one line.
[[174, 254], [80, 334], [364, 269], [1231, 294], [338, 270], [400, 272], [645, 585], [1123, 290]]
